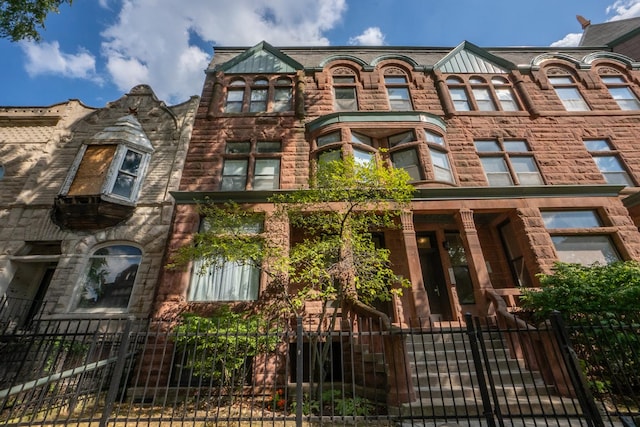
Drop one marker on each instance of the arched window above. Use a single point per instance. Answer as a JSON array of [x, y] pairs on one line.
[[567, 90], [109, 278], [259, 95], [344, 90], [620, 91], [235, 97], [397, 90], [262, 95], [282, 95], [478, 93]]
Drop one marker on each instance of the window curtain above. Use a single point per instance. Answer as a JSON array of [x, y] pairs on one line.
[[232, 282]]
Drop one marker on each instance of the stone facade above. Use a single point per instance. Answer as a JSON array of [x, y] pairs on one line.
[[504, 143], [45, 266]]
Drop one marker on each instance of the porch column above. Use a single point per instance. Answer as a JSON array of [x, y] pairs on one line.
[[475, 258], [419, 299]]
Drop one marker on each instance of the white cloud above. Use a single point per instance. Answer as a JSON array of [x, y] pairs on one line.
[[372, 36], [151, 39], [572, 39], [46, 58], [624, 9]]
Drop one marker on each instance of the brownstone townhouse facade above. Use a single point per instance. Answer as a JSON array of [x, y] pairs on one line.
[[520, 157]]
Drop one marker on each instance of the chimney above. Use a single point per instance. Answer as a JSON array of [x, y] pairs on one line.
[[584, 22]]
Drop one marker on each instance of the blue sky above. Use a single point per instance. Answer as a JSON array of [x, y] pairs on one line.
[[97, 50]]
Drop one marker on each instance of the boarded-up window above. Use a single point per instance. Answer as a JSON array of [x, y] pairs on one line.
[[92, 171]]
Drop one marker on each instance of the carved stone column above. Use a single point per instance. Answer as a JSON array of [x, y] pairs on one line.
[[475, 258], [419, 299]]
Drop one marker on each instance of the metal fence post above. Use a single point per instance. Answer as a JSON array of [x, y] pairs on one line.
[[299, 371], [477, 363], [587, 403], [117, 374]]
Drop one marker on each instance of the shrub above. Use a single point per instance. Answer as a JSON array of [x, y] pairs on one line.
[[221, 346]]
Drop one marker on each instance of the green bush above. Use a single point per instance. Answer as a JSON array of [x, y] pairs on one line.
[[220, 347], [576, 290], [599, 305]]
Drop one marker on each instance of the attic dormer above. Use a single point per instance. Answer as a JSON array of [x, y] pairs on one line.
[[103, 184]]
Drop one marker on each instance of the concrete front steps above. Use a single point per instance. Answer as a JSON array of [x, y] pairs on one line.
[[446, 383]]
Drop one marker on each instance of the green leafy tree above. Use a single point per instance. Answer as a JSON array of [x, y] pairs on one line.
[[23, 19], [336, 260]]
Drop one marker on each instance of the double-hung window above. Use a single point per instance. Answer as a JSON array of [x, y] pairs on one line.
[[439, 156], [235, 97], [263, 95], [404, 154], [282, 95], [344, 93], [608, 162], [567, 90], [621, 92], [477, 93], [225, 280], [580, 237], [251, 166], [507, 163], [398, 92], [259, 96]]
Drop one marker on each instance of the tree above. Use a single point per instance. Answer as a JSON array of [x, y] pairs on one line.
[[23, 19], [336, 259]]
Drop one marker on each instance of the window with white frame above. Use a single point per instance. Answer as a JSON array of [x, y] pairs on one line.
[[439, 156], [621, 92], [251, 165], [508, 162], [578, 237], [398, 92], [259, 95], [282, 98], [225, 280], [476, 93], [608, 162], [127, 175], [235, 97], [344, 93], [404, 153], [109, 278], [568, 92], [414, 150], [272, 94]]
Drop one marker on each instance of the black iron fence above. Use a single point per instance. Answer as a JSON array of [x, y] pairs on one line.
[[289, 372]]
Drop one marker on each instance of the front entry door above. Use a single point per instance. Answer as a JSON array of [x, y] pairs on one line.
[[433, 277]]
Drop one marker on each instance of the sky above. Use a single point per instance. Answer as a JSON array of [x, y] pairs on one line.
[[97, 50]]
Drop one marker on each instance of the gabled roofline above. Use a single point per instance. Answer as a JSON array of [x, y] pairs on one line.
[[483, 53], [263, 45]]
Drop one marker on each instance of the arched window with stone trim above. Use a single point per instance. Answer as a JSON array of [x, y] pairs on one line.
[[567, 89], [619, 88], [397, 85], [345, 96], [109, 278]]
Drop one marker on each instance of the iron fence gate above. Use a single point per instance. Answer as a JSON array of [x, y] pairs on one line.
[[121, 371]]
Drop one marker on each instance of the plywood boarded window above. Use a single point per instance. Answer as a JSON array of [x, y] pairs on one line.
[[92, 171]]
